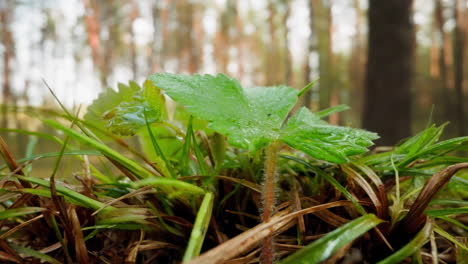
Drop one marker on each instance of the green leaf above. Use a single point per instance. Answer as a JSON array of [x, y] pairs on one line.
[[35, 254], [250, 118], [76, 196], [324, 248], [446, 211], [330, 179], [167, 139], [449, 237], [109, 99], [200, 227], [131, 165], [171, 186], [15, 212], [306, 88], [305, 131], [129, 116], [332, 110]]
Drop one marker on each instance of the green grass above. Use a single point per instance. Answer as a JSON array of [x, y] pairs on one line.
[[196, 188]]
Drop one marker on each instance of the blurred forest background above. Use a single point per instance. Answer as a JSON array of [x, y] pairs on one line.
[[390, 61]]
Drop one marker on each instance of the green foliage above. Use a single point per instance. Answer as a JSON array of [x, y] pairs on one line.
[[129, 108], [307, 132], [410, 248], [251, 118], [425, 146], [200, 227], [108, 100], [15, 212], [186, 156], [324, 248]]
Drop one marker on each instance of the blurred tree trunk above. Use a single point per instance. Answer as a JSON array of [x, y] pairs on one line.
[[286, 52], [323, 27], [183, 43], [223, 39], [164, 37], [241, 42], [197, 38], [459, 33], [271, 55], [154, 58], [92, 25], [133, 48], [356, 65], [6, 12], [441, 73], [387, 105], [311, 49]]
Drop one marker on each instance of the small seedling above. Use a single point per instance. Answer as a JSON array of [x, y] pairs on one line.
[[251, 118]]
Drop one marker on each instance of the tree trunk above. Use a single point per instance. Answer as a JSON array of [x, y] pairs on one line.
[[442, 67], [323, 27], [311, 48], [92, 25], [356, 66], [272, 48], [197, 38], [287, 53], [8, 54], [387, 106], [458, 56], [133, 48]]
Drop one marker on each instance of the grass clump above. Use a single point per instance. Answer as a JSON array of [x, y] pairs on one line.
[[229, 175]]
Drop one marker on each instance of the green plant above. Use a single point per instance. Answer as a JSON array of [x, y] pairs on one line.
[[254, 118], [207, 166]]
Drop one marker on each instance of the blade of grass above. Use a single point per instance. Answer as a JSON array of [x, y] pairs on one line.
[[157, 149], [184, 163], [35, 254], [200, 228], [454, 221], [306, 88], [416, 218], [169, 184], [32, 142], [80, 198], [446, 211], [129, 164], [198, 154], [335, 109], [330, 179], [15, 212], [324, 248], [410, 248], [449, 237]]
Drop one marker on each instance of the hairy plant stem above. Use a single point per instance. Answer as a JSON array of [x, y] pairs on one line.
[[269, 197]]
